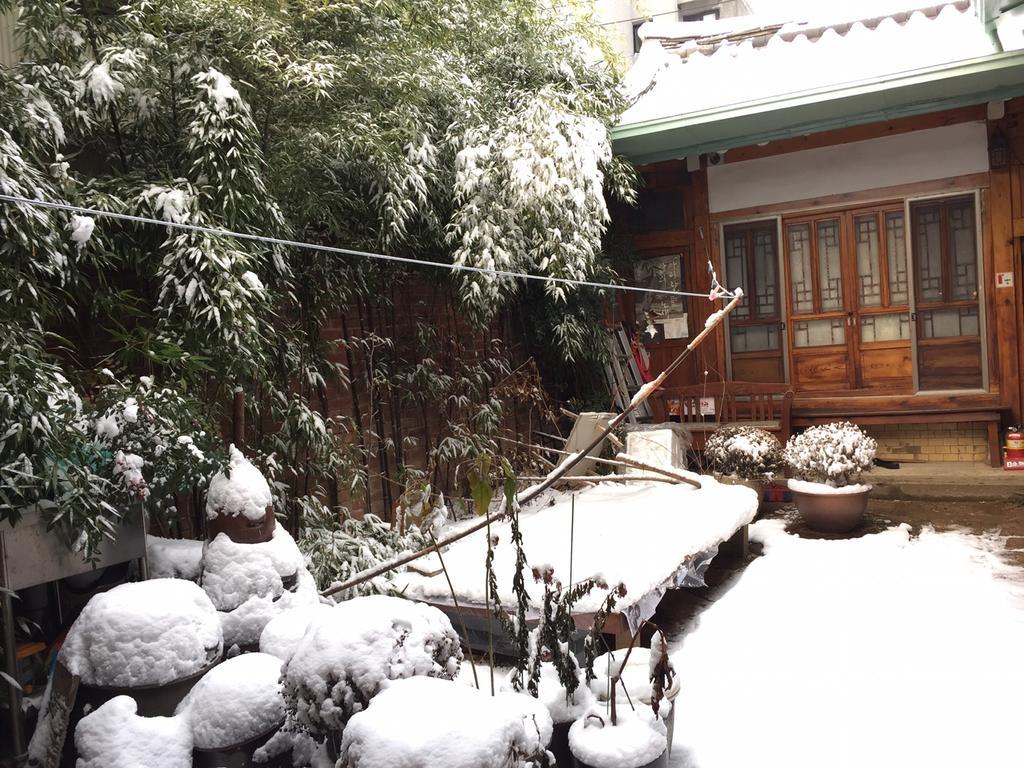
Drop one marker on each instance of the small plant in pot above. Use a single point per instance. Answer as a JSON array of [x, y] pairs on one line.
[[748, 456], [628, 737], [827, 462]]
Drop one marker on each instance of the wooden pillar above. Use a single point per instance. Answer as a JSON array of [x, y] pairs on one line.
[[1005, 333]]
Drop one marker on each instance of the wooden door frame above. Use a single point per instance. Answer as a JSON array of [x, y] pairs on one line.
[[979, 253], [783, 294]]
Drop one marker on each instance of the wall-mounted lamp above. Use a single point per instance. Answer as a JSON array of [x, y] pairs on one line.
[[998, 150]]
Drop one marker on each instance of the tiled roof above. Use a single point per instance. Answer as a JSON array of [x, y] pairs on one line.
[[691, 67]]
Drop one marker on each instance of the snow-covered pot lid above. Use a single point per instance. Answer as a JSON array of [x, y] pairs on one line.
[[144, 634], [638, 739], [636, 677], [239, 502], [114, 735], [235, 702]]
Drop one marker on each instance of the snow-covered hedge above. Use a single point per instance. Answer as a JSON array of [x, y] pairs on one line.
[[352, 651], [749, 453], [833, 454]]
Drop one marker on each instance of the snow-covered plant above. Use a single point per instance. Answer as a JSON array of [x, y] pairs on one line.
[[48, 461], [749, 453], [551, 640], [339, 124], [349, 654], [158, 441], [834, 454], [338, 546]]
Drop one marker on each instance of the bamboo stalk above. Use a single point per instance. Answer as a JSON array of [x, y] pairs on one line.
[[562, 469]]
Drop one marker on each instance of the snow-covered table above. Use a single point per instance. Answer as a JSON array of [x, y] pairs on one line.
[[650, 536]]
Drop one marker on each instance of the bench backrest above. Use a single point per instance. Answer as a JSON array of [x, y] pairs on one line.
[[734, 402]]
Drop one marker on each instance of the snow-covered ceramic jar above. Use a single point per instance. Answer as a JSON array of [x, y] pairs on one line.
[[239, 503]]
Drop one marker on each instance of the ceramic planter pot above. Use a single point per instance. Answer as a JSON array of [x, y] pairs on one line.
[[239, 755], [241, 529], [659, 762], [757, 486], [559, 745], [832, 512]]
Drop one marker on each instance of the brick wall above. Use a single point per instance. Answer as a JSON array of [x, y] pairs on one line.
[[931, 442]]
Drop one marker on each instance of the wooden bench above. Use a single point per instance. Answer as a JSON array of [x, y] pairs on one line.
[[768, 406], [991, 417]]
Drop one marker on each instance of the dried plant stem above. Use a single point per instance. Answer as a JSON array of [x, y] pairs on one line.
[[458, 611]]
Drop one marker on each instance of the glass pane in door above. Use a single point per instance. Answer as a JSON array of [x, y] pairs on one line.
[[896, 251], [800, 267], [830, 276], [766, 283], [869, 268]]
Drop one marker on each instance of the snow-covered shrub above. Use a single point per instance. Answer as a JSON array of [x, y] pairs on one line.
[[160, 441], [833, 454], [425, 723], [143, 633], [351, 652], [749, 453]]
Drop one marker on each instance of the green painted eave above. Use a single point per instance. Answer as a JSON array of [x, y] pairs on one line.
[[959, 84]]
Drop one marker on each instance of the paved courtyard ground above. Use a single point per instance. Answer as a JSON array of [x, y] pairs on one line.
[[897, 647]]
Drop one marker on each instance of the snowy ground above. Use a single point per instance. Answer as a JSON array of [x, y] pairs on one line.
[[886, 650]]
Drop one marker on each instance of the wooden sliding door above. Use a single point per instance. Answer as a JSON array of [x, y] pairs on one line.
[[947, 305], [755, 326], [849, 301]]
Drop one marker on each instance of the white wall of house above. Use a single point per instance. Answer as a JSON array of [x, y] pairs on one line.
[[926, 155]]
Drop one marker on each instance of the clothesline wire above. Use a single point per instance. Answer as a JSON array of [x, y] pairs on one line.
[[221, 231]]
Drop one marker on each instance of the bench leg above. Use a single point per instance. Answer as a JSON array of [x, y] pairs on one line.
[[995, 454]]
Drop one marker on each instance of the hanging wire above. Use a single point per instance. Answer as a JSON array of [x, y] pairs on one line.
[[347, 251]]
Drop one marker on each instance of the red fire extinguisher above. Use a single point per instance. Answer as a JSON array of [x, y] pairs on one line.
[[1014, 452]]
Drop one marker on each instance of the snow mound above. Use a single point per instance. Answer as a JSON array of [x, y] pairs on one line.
[[235, 701], [173, 558], [243, 491], [233, 572], [551, 694], [352, 651], [443, 723], [244, 626], [887, 650], [144, 633], [283, 633], [637, 739], [114, 736]]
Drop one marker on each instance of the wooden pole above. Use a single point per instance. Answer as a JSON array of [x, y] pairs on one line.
[[238, 420], [561, 470]]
